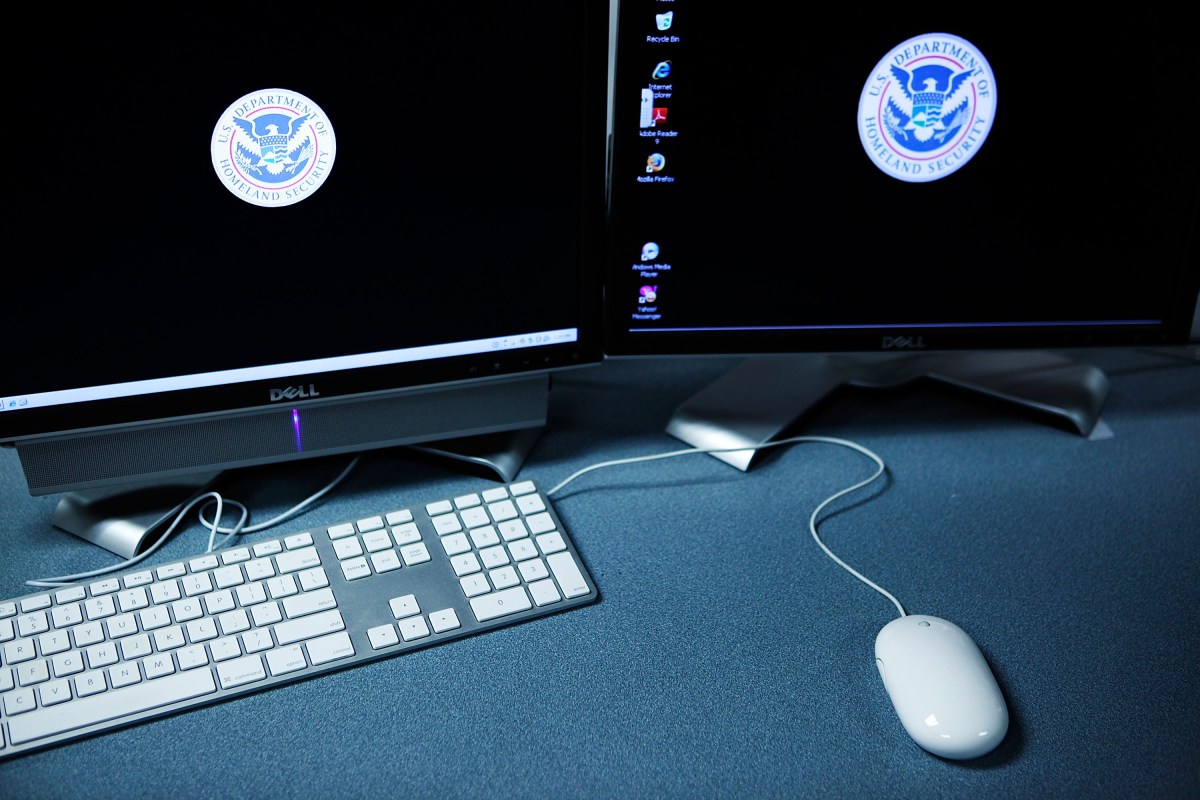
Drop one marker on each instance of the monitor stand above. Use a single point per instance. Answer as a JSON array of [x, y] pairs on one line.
[[757, 401], [120, 519], [497, 455]]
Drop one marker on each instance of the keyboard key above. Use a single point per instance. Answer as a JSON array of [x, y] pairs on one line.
[[382, 636], [54, 693], [238, 672], [342, 531], [267, 549], [500, 604], [415, 554], [568, 574], [413, 628], [370, 524], [502, 511], [551, 543], [296, 560], [31, 624], [286, 659], [439, 507], [105, 587], [69, 595], [385, 561], [544, 592], [298, 540], [135, 579], [467, 501], [309, 603], [404, 606], [235, 556], [522, 487], [407, 533], [329, 648], [19, 701], [356, 568], [444, 620], [207, 561], [169, 571], [90, 633], [308, 627], [313, 578], [399, 517]]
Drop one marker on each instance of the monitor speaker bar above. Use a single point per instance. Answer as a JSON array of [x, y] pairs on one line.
[[141, 454]]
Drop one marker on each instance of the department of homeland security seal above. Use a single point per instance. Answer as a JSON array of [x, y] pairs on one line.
[[927, 107], [273, 147]]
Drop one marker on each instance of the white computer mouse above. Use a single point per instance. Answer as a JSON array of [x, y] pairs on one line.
[[941, 686]]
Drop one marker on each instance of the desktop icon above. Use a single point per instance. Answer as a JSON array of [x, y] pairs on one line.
[[661, 70], [658, 116], [649, 251], [646, 119], [664, 20], [647, 294], [655, 162]]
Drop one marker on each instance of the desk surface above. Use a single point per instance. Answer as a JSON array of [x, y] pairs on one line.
[[728, 656]]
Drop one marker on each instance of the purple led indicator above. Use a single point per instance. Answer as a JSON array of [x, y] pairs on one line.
[[296, 429]]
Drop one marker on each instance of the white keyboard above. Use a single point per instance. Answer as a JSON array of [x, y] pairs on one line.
[[98, 655]]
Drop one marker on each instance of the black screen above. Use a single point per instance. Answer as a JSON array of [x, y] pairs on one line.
[[1058, 212], [456, 205]]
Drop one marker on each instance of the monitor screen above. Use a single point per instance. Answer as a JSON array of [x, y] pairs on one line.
[[209, 219], [890, 180]]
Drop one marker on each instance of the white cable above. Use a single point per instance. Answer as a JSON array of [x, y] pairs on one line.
[[291, 512], [812, 520], [63, 580], [214, 528]]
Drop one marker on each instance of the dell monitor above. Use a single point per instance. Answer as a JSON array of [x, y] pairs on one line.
[[234, 245], [837, 196]]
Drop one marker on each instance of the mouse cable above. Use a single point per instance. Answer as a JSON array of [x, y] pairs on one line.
[[880, 468], [181, 511]]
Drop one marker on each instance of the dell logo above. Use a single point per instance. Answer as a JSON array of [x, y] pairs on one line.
[[904, 343], [294, 393]]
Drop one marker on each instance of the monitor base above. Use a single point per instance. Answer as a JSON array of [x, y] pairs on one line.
[[120, 518], [499, 455], [755, 402]]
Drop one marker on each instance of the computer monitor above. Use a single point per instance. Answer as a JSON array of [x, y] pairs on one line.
[[883, 182], [241, 238]]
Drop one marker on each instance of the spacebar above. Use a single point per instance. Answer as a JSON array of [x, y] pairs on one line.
[[109, 706]]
